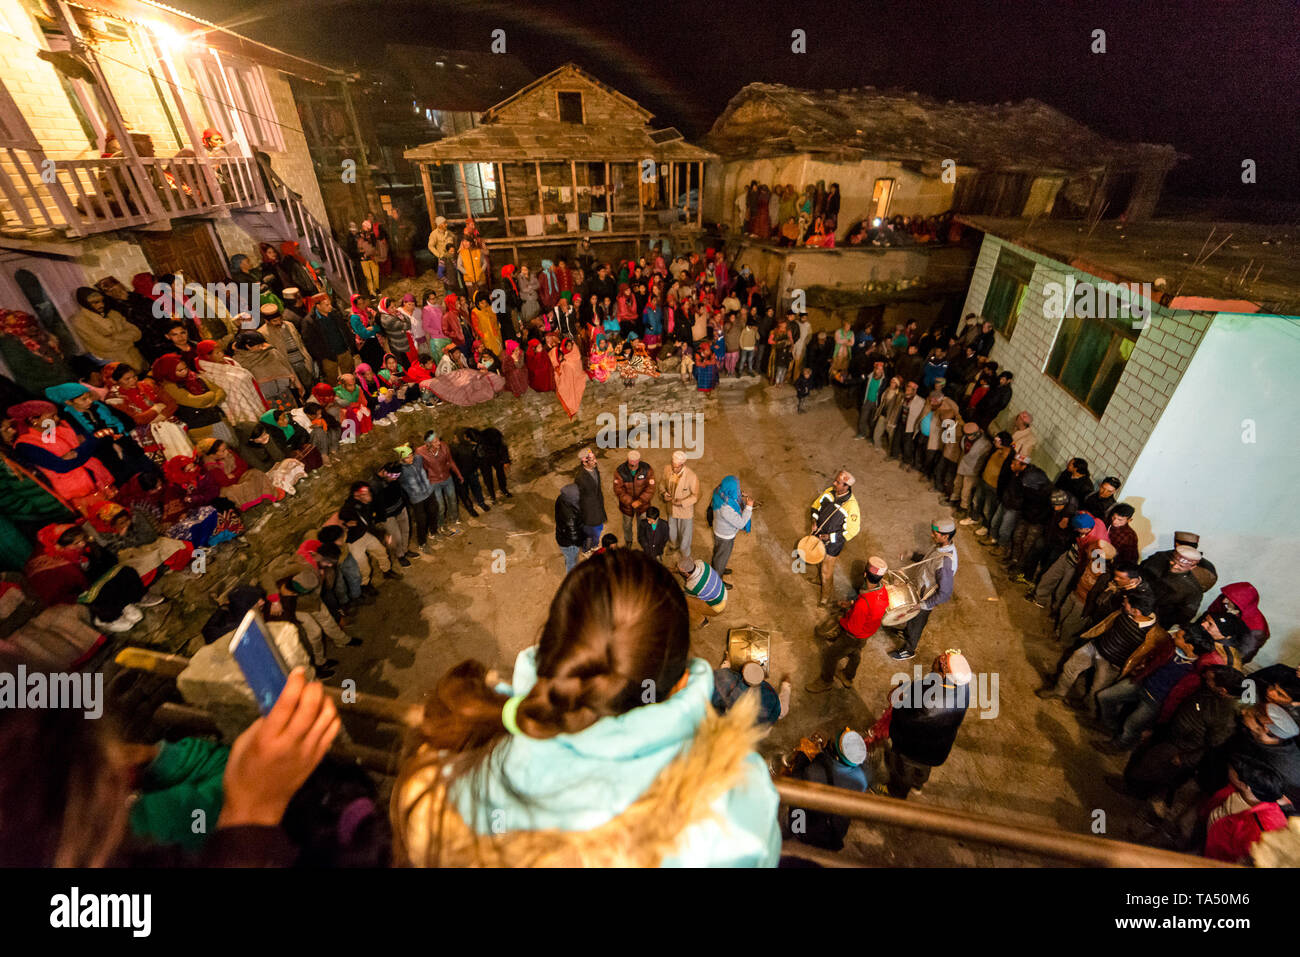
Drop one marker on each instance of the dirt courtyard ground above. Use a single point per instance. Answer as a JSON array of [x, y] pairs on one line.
[[485, 595]]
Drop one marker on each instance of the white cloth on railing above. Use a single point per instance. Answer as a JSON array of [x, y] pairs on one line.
[[533, 225]]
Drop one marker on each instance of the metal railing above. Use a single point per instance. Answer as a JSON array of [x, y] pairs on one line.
[[1057, 845], [311, 233]]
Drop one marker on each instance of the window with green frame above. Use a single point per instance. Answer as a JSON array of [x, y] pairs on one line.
[[1089, 357], [1007, 288]]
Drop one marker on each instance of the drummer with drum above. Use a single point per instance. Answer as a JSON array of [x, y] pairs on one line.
[[835, 521], [935, 571], [861, 622]]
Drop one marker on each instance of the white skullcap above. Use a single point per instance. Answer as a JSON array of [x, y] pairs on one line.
[[848, 477], [679, 457]]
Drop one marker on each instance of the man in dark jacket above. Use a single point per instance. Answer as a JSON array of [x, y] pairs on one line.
[[634, 487], [984, 341], [652, 533], [1018, 483], [909, 366], [994, 401], [493, 459], [465, 455], [926, 717], [591, 501], [1036, 510], [1201, 724], [391, 506], [1074, 478], [1178, 595], [569, 533]]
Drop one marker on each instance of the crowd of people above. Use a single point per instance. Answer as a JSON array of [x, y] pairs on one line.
[[169, 428]]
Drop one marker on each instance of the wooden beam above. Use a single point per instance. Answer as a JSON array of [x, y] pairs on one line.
[[573, 171], [699, 195], [429, 201], [609, 197], [501, 188], [464, 190], [541, 200]]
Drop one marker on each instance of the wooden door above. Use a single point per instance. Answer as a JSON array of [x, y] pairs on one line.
[[190, 249]]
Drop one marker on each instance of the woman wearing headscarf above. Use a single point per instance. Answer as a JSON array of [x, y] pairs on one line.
[[104, 332], [109, 430], [485, 325], [570, 380], [260, 451], [1242, 599], [290, 439], [603, 361], [135, 539], [706, 368], [514, 301], [514, 369], [273, 274], [275, 378], [157, 432], [69, 568], [242, 401], [353, 406], [540, 375], [455, 324], [296, 271], [381, 400], [548, 286], [396, 327], [246, 487], [529, 302], [33, 355], [187, 496], [431, 320], [732, 513], [367, 330], [197, 401], [65, 459]]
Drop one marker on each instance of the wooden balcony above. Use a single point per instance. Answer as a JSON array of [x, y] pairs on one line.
[[47, 198]]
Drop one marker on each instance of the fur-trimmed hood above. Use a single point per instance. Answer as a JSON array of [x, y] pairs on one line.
[[712, 804]]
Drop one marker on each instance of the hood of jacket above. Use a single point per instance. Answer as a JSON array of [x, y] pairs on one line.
[[666, 784]]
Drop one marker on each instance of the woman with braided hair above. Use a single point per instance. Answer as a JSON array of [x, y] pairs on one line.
[[603, 751]]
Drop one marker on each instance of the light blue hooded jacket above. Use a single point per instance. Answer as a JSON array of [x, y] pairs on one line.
[[576, 782]]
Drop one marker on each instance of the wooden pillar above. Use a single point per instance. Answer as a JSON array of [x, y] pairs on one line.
[[464, 189], [672, 188], [541, 199], [573, 171], [505, 203], [609, 201], [640, 208], [428, 191], [699, 195]]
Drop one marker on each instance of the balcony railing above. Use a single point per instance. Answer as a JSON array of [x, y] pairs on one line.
[[86, 196]]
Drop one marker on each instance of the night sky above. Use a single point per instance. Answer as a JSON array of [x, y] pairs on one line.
[[1217, 80]]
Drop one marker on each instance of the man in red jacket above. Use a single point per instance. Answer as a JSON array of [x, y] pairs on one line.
[[1239, 813], [855, 628]]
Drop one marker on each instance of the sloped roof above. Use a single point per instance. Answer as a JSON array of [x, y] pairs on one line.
[[467, 81], [768, 119], [508, 141], [1239, 262]]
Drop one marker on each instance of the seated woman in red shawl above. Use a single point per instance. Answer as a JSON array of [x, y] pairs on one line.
[[540, 375], [382, 400], [244, 486], [354, 408], [135, 539], [455, 317], [70, 568], [157, 431], [514, 368], [570, 379], [185, 501], [65, 459]]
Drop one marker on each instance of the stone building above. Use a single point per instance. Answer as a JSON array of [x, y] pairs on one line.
[[1163, 353], [567, 157], [908, 154], [104, 171]]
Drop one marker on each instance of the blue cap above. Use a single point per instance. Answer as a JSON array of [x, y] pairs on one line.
[[1082, 522]]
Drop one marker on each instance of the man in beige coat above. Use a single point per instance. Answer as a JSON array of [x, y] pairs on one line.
[[680, 490]]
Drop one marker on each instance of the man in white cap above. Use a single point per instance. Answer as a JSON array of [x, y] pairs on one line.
[[836, 520], [442, 243], [1178, 594], [937, 572], [839, 764], [634, 487], [680, 491], [861, 622], [927, 715], [1023, 439]]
